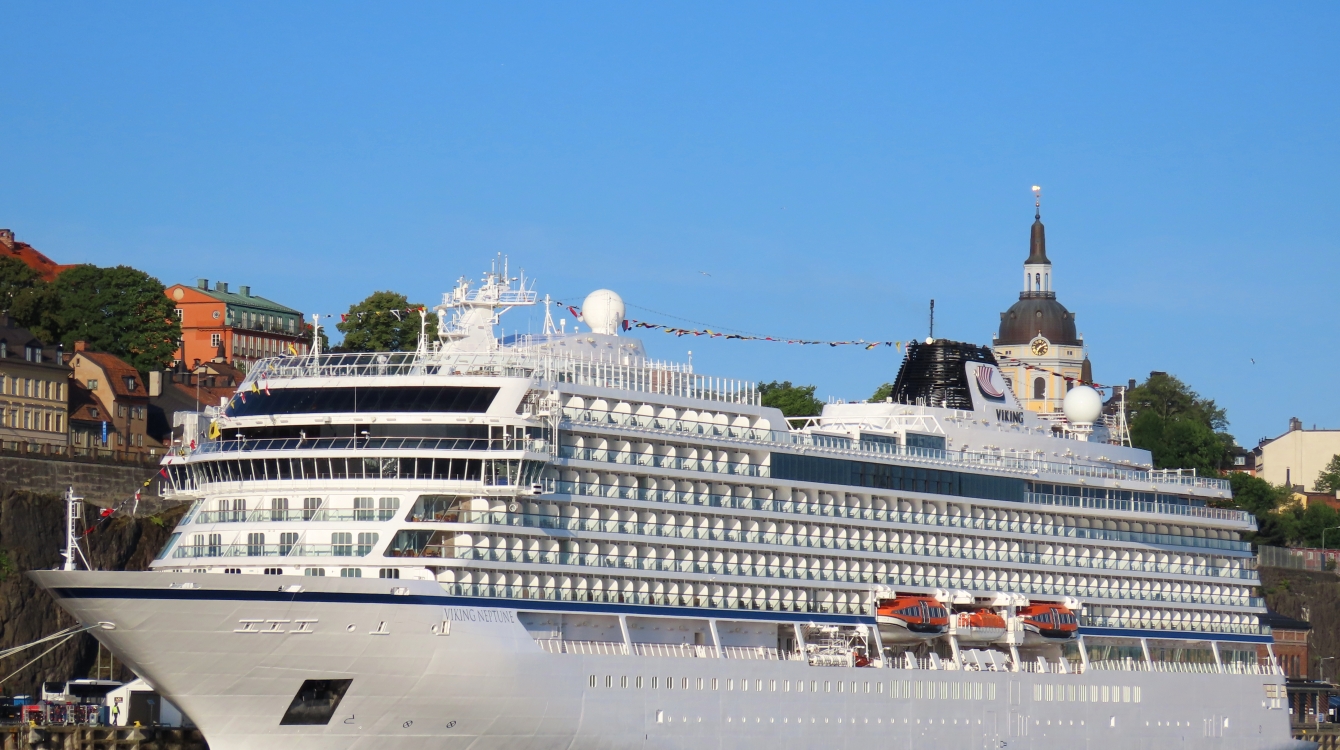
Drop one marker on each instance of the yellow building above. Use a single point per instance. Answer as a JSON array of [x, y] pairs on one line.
[[1037, 346], [33, 392]]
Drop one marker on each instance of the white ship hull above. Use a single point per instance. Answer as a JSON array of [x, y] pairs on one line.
[[232, 652]]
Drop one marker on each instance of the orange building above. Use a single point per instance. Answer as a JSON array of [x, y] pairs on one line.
[[237, 328]]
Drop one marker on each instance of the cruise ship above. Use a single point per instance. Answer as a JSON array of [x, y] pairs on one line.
[[554, 541]]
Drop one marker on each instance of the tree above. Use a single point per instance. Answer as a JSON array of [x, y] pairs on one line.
[[881, 393], [793, 400], [1329, 478], [1180, 428], [380, 323], [21, 291], [1256, 495], [120, 310]]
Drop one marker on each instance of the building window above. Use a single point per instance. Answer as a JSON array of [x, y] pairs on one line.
[[92, 384], [130, 384], [121, 411], [60, 423], [1040, 388], [60, 391], [177, 312], [215, 338]]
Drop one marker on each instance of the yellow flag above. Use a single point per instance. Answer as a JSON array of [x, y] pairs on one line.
[[292, 349], [214, 431], [255, 388]]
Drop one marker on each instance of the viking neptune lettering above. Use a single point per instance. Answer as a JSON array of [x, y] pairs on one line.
[[470, 614]]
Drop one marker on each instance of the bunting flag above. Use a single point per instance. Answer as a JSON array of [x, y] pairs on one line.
[[395, 313], [293, 350], [1011, 362], [630, 323]]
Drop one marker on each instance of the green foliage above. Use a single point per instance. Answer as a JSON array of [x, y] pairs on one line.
[[1256, 495], [793, 400], [370, 325], [21, 291], [1180, 428], [1329, 478], [120, 310], [881, 393]]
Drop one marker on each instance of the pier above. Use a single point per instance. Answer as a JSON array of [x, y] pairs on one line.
[[100, 738]]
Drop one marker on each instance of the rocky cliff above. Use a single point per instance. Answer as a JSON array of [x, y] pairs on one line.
[[32, 533], [1313, 596]]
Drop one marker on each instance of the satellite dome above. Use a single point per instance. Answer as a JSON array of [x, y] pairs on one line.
[[603, 311], [1082, 405]]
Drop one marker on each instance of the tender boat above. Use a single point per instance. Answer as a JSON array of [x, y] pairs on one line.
[[1048, 623], [913, 617], [981, 626]]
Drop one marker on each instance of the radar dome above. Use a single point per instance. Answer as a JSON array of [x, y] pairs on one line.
[[1082, 405], [603, 311]]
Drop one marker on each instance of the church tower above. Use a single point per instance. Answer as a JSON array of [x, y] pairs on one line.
[[1037, 346]]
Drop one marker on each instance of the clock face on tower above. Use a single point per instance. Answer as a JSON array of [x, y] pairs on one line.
[[1039, 346]]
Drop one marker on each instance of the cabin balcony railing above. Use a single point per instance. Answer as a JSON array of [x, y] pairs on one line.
[[576, 418], [284, 515], [892, 516], [370, 443], [786, 573], [680, 650], [270, 550], [629, 458]]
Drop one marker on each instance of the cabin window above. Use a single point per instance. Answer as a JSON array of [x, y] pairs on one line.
[[255, 544], [310, 505], [351, 572], [391, 573], [342, 544], [414, 399], [387, 507], [366, 541], [363, 509], [287, 541], [318, 572]]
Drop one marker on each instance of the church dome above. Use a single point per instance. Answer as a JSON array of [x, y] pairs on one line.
[[1037, 314]]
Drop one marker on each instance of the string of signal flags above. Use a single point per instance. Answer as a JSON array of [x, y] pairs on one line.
[[631, 323]]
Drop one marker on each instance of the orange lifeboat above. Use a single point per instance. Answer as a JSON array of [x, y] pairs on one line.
[[911, 618], [982, 626], [1048, 623]]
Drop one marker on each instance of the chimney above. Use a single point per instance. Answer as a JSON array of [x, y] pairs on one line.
[[245, 291], [1130, 384], [81, 346], [202, 283], [7, 238], [1295, 424], [155, 383], [221, 286]]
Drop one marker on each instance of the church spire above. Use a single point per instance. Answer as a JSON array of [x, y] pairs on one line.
[[1037, 269], [1037, 245]]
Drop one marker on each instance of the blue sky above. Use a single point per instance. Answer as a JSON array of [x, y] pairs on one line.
[[832, 167]]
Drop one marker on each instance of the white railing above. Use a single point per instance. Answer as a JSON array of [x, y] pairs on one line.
[[646, 376]]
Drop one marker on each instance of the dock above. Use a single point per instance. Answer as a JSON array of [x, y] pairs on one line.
[[100, 738]]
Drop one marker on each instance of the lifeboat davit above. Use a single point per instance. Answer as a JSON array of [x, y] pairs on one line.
[[982, 626], [911, 618], [1048, 623]]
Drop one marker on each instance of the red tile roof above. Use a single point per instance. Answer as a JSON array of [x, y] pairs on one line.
[[45, 267], [117, 372]]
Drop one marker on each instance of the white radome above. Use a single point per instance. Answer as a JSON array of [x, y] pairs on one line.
[[1082, 405], [603, 311]]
